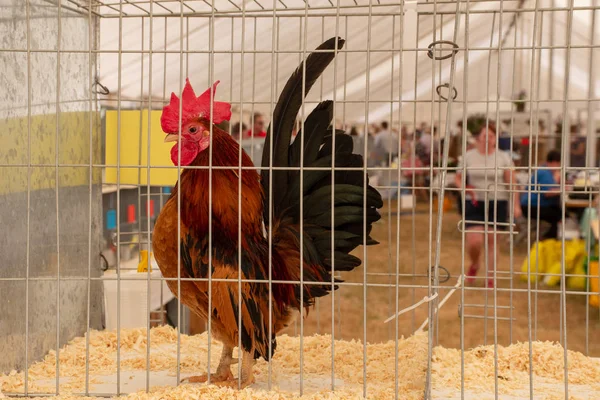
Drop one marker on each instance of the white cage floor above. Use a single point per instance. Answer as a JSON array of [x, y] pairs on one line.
[[513, 376]]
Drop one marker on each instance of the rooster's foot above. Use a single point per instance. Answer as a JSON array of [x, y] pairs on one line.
[[235, 384], [214, 378]]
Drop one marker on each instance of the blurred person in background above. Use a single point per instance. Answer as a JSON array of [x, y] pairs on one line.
[[258, 126], [424, 143], [236, 132], [545, 195], [420, 130], [482, 176], [577, 148], [386, 144]]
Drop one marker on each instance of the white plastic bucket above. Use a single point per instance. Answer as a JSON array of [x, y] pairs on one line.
[[134, 297]]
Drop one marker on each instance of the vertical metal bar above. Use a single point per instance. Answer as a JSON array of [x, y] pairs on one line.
[[535, 181], [187, 46], [140, 133], [511, 214], [240, 172], [564, 139], [511, 251], [529, 306], [535, 122], [399, 200], [252, 133], [591, 152], [551, 56], [300, 127], [365, 169], [463, 197], [413, 182], [28, 245], [211, 73], [317, 300], [300, 55], [433, 139], [118, 267], [57, 196], [333, 133], [90, 209], [231, 44], [432, 166], [521, 67], [148, 218], [486, 261], [302, 114], [432, 327], [339, 297], [179, 123], [164, 95], [278, 21], [274, 69], [537, 161], [531, 90], [598, 246], [180, 315], [345, 72], [434, 286], [389, 178], [186, 314]]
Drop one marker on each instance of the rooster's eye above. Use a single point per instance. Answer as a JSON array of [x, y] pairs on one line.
[[193, 129]]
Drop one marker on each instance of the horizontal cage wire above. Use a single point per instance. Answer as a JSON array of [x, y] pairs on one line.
[[380, 199]]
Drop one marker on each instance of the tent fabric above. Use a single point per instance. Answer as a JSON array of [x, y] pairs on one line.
[[252, 60]]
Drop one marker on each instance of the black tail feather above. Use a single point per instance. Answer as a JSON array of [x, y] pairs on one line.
[[343, 144], [284, 117], [314, 146]]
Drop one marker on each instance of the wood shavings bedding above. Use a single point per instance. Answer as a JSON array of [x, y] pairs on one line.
[[513, 370], [513, 367], [285, 369]]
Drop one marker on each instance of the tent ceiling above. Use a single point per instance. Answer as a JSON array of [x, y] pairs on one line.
[[252, 73]]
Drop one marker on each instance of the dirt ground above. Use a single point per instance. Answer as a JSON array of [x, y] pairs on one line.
[[544, 309]]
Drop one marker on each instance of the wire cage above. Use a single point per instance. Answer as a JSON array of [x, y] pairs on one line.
[[85, 174]]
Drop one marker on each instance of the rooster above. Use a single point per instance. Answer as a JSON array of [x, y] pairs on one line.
[[239, 309]]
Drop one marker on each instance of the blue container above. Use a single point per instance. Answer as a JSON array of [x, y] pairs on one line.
[[111, 219]]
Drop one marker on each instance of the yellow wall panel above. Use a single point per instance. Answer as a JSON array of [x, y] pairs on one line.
[[74, 138], [132, 137]]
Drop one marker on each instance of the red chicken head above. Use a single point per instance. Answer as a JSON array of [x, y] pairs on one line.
[[195, 120]]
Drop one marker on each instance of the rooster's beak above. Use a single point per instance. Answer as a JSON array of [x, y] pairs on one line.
[[171, 137]]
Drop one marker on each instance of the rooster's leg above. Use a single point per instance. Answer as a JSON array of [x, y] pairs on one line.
[[247, 376], [223, 370]]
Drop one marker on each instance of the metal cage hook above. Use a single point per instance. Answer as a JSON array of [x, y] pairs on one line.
[[447, 275], [453, 51], [104, 90], [446, 85], [104, 265]]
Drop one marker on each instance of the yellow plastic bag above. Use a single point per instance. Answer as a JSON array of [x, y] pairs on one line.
[[550, 252], [575, 263], [577, 282]]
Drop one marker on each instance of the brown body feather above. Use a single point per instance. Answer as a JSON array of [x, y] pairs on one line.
[[193, 241]]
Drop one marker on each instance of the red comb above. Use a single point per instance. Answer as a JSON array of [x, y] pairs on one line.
[[193, 107]]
